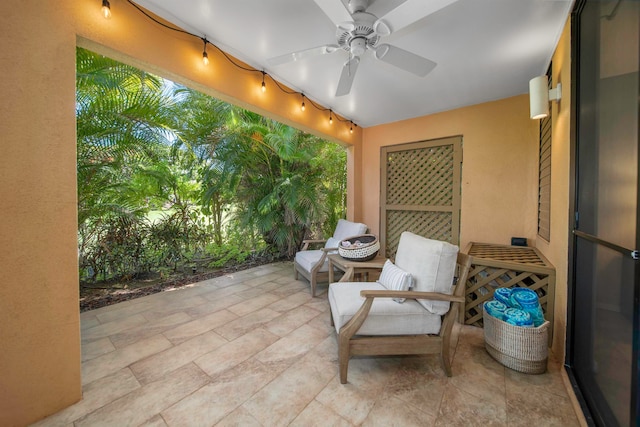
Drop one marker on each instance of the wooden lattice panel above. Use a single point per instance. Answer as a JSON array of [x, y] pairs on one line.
[[499, 266], [433, 225], [422, 176], [421, 191]]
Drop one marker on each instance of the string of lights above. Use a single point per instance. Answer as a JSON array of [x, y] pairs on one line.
[[106, 12]]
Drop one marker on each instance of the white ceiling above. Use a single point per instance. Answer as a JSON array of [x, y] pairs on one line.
[[484, 49]]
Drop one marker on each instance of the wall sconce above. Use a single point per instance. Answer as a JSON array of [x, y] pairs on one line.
[[540, 95]]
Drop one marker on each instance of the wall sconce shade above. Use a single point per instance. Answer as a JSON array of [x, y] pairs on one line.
[[540, 95]]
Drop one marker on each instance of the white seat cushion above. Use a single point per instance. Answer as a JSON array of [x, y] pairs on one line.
[[346, 229], [307, 259], [386, 317], [432, 264]]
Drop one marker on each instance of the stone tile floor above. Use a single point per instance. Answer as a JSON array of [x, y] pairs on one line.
[[255, 349]]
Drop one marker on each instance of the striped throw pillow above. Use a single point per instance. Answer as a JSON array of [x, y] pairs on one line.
[[395, 279]]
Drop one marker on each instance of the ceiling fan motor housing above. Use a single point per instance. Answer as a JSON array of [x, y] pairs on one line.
[[358, 36]]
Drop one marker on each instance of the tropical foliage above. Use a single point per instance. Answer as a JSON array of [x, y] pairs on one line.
[[169, 177]]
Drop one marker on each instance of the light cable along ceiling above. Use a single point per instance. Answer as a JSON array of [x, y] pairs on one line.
[[381, 61]]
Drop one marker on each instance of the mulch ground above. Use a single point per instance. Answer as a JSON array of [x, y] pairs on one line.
[[96, 296]]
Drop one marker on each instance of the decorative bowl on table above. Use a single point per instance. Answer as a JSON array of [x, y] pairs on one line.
[[359, 248]]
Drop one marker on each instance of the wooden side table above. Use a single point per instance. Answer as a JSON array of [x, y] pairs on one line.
[[351, 268]]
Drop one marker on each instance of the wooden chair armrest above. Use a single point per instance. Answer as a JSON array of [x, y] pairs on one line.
[[329, 249], [433, 296], [307, 242], [314, 241]]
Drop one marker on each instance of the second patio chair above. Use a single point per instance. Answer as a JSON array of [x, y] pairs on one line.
[[313, 264]]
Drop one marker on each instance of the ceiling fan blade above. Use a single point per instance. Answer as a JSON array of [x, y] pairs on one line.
[[346, 77], [411, 11], [302, 54], [335, 10], [404, 60]]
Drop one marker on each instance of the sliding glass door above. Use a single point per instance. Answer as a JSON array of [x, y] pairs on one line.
[[603, 335]]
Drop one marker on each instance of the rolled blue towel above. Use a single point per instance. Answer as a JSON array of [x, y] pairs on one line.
[[503, 295], [495, 308], [517, 317], [520, 296], [527, 300]]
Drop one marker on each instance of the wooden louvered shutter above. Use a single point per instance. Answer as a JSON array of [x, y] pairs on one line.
[[544, 178]]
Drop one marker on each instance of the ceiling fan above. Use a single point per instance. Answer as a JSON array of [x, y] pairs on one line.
[[359, 30]]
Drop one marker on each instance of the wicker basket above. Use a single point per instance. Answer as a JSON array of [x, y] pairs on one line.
[[359, 248], [521, 349]]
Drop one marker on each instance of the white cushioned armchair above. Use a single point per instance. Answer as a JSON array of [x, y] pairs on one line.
[[386, 318], [313, 264]]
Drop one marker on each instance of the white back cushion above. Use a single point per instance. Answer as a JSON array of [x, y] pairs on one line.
[[346, 229], [432, 264]]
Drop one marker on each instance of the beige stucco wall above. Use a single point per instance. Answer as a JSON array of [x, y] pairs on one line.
[[557, 249], [499, 168]]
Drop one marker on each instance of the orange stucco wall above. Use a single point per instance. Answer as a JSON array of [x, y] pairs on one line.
[[499, 167], [557, 249], [39, 321]]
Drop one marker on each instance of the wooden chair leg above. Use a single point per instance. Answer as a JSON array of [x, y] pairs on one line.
[[313, 285], [343, 358], [445, 359]]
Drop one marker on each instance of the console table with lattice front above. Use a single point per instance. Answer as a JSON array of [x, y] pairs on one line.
[[499, 266]]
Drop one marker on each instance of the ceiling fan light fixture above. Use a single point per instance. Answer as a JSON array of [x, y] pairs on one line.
[[358, 46]]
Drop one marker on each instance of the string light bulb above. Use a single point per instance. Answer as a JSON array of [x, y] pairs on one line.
[[351, 128], [330, 117], [302, 107], [205, 55], [264, 87], [106, 9]]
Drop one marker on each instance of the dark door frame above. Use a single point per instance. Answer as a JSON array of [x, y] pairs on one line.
[[591, 414]]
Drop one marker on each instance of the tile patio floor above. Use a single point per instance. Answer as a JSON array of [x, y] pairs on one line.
[[254, 349]]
